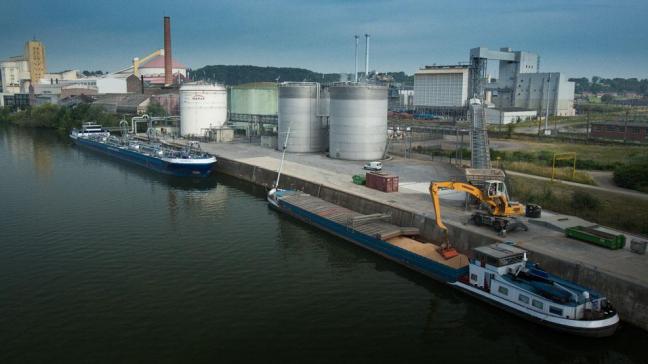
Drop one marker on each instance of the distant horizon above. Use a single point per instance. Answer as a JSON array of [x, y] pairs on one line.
[[582, 38]]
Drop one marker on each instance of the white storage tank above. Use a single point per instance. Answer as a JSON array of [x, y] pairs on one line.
[[358, 122], [202, 106], [299, 109]]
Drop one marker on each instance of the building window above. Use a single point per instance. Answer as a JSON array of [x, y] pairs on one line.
[[537, 304], [556, 310], [636, 130], [473, 277], [503, 290], [524, 299]]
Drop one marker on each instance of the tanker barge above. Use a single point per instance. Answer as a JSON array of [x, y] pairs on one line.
[[499, 274], [188, 162]]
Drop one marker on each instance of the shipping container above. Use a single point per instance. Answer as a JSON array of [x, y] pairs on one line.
[[593, 236], [382, 181]]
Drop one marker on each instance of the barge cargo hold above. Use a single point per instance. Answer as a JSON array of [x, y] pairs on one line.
[[368, 231]]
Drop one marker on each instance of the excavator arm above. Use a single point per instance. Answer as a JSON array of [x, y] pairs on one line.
[[457, 186]]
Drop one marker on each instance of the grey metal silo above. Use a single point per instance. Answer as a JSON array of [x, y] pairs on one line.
[[299, 110], [358, 122]]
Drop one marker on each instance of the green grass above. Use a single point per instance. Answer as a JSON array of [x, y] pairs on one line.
[[563, 173], [609, 208], [602, 154]]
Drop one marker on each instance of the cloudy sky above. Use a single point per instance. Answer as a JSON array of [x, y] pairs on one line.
[[578, 37]]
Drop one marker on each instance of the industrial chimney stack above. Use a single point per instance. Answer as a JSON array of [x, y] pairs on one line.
[[168, 65], [355, 74], [366, 56]]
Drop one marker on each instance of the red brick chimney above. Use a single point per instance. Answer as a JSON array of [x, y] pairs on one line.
[[168, 65]]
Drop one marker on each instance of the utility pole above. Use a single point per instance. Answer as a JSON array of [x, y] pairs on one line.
[[588, 126], [547, 113], [625, 126]]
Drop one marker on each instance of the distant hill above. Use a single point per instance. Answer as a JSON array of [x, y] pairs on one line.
[[236, 75]]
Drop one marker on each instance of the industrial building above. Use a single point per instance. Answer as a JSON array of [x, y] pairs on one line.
[[441, 86], [519, 83], [519, 86], [620, 130], [508, 115], [35, 56]]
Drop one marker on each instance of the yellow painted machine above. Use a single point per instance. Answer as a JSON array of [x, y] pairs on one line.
[[137, 62], [501, 212]]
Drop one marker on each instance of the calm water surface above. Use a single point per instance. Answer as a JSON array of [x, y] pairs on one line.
[[101, 261]]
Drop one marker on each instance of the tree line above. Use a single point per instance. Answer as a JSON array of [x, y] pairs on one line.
[[235, 75], [611, 85]]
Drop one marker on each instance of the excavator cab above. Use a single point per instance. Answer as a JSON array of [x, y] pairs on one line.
[[495, 189]]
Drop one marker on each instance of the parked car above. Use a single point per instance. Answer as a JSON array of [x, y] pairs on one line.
[[373, 166]]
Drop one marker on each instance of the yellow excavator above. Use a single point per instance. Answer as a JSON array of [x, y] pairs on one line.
[[501, 212]]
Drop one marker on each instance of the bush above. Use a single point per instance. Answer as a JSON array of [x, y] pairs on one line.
[[634, 176], [585, 200]]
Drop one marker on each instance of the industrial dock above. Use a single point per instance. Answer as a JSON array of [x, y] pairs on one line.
[[621, 274]]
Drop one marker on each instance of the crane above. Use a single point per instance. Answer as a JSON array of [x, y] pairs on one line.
[[501, 211]]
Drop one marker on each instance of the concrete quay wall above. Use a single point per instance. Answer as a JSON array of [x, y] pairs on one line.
[[630, 298]]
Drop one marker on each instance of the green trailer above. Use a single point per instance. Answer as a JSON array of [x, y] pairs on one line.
[[597, 237]]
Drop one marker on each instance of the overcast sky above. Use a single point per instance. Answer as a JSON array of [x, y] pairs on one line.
[[577, 37]]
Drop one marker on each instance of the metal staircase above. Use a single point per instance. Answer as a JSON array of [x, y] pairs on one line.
[[479, 136]]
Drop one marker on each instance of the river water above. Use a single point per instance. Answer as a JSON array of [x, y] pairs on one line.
[[101, 261]]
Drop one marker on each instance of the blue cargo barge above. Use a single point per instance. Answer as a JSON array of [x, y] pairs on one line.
[[500, 274], [371, 232], [190, 162]]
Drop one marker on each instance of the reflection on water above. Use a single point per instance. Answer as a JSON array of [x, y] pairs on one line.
[[104, 261]]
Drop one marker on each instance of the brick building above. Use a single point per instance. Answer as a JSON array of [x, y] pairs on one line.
[[620, 130]]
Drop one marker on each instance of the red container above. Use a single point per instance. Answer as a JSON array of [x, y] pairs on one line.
[[382, 181]]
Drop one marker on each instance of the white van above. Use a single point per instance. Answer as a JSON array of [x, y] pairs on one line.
[[373, 166]]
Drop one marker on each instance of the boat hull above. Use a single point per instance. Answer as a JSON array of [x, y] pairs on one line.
[[595, 328], [411, 260], [167, 167]]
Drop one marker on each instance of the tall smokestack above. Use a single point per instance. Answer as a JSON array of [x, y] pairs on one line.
[[355, 74], [168, 66], [366, 56]]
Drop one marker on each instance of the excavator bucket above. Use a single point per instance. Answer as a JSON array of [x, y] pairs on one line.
[[448, 253]]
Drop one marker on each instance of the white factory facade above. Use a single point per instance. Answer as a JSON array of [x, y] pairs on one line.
[[518, 92]]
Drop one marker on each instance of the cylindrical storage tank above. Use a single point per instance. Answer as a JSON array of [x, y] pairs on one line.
[[254, 99], [202, 106], [358, 122], [298, 110]]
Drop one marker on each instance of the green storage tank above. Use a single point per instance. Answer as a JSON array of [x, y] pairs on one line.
[[259, 98]]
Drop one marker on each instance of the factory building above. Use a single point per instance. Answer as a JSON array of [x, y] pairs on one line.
[[505, 116], [442, 89], [519, 83], [14, 71], [35, 56]]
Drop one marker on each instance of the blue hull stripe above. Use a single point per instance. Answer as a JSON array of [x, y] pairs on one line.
[[414, 261], [182, 170]]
